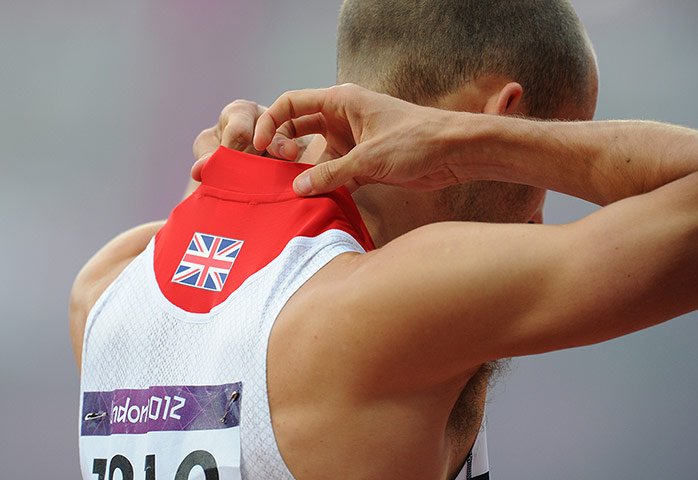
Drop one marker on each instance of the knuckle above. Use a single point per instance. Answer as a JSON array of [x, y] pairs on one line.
[[232, 108], [204, 138], [336, 93], [336, 89], [244, 138], [237, 133], [327, 174], [345, 87], [223, 117], [289, 129]]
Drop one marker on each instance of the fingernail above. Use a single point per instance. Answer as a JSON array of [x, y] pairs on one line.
[[302, 184], [282, 151]]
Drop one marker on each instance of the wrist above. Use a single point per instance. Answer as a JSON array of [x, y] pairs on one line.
[[467, 144], [550, 155], [490, 147]]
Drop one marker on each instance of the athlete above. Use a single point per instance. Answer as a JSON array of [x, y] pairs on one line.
[[316, 356]]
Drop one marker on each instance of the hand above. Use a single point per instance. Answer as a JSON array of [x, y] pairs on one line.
[[235, 129], [371, 138]]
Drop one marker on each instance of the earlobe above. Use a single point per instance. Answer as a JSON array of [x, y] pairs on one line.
[[505, 101]]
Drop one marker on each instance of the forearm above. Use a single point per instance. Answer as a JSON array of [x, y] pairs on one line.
[[598, 161], [380, 139]]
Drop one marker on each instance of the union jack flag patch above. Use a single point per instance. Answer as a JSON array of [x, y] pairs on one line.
[[207, 262]]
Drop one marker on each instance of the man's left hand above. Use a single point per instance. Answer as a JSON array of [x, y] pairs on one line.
[[235, 130]]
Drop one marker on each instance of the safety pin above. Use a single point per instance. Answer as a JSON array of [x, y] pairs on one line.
[[233, 396], [95, 416]]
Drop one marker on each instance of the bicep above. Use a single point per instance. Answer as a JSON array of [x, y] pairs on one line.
[[440, 300], [99, 272], [449, 297]]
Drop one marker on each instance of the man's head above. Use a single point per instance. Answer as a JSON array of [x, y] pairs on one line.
[[518, 57], [424, 50]]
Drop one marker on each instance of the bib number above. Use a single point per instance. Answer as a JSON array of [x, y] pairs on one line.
[[175, 433], [197, 458]]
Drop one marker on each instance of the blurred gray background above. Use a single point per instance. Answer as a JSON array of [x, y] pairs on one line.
[[99, 105]]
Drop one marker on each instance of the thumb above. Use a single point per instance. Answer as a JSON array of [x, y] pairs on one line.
[[199, 165], [326, 176]]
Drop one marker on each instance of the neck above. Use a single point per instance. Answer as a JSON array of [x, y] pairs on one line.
[[389, 212], [372, 220]]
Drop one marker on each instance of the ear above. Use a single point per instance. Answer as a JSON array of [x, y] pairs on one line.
[[506, 101]]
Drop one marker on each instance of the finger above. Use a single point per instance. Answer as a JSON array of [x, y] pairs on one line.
[[199, 165], [290, 105], [206, 142], [291, 150], [327, 176], [283, 147], [283, 144], [353, 184], [306, 125], [302, 143], [238, 122]]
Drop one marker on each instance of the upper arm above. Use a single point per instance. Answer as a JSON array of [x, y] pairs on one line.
[[99, 272], [445, 298]]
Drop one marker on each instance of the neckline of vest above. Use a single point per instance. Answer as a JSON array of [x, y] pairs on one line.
[[251, 174]]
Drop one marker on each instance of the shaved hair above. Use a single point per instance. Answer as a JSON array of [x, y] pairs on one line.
[[419, 50]]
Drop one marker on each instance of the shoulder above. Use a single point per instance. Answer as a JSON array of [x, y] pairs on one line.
[[424, 309], [99, 272], [369, 310]]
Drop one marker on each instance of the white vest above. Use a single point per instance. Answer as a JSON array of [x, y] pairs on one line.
[[174, 355]]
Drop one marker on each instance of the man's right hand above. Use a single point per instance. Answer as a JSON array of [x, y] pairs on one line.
[[371, 138], [374, 138]]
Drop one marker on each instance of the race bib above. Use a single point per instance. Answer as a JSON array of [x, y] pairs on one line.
[[162, 433]]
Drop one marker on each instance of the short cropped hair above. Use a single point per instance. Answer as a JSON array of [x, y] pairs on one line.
[[419, 50]]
